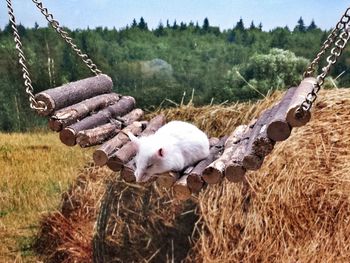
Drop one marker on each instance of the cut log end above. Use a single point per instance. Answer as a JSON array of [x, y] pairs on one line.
[[235, 173], [212, 175], [278, 131], [167, 180], [114, 165], [181, 192], [127, 173], [100, 157], [195, 183], [252, 162], [55, 125], [297, 120], [68, 137], [48, 101]]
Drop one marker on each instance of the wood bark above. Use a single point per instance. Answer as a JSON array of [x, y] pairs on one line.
[[102, 154], [71, 114], [132, 116], [97, 135], [181, 190], [259, 143], [299, 96], [123, 106], [74, 92], [129, 150], [214, 172], [278, 129], [168, 179], [194, 179], [127, 172], [234, 169]]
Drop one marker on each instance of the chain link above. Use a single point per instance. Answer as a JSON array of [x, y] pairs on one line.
[[54, 23], [34, 104], [336, 43]]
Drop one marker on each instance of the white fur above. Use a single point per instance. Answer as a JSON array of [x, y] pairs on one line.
[[182, 144]]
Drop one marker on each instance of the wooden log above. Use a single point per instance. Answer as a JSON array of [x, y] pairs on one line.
[[123, 106], [127, 172], [194, 179], [98, 135], [102, 154], [129, 150], [214, 172], [259, 143], [304, 88], [154, 125], [234, 169], [74, 92], [181, 190], [132, 116], [278, 129], [69, 115], [167, 179]]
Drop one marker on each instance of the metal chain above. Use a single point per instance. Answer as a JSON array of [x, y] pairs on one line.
[[54, 23], [337, 39], [34, 104]]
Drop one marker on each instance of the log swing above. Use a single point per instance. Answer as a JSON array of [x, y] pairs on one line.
[[88, 113]]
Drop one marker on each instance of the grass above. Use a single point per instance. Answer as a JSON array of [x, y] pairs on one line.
[[35, 169]]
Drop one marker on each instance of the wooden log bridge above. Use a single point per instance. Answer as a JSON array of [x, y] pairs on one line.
[[88, 113]]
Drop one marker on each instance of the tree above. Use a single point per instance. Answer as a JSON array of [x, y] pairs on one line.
[[240, 25], [205, 25], [160, 30], [252, 26], [312, 26], [197, 27], [300, 27], [134, 23], [142, 24], [263, 72], [175, 26], [260, 26], [183, 26]]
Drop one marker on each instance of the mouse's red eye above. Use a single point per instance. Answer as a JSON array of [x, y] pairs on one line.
[[149, 166]]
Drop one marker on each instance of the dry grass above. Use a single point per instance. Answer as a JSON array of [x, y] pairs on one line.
[[35, 169], [295, 209]]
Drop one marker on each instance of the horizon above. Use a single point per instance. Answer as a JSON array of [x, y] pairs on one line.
[[222, 14]]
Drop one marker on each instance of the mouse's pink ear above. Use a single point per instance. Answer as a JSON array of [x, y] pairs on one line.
[[160, 152]]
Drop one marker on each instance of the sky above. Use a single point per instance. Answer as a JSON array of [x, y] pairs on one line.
[[223, 13]]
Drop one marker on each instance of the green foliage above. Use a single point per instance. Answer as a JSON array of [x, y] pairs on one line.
[[263, 72], [160, 65]]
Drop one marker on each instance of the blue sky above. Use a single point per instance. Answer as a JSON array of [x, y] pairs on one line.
[[223, 13]]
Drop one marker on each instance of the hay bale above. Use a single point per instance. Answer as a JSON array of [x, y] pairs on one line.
[[296, 208], [143, 223]]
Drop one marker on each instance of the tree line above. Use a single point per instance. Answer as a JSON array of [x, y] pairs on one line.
[[164, 65]]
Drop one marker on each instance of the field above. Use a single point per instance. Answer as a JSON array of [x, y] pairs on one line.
[[296, 208], [35, 169]]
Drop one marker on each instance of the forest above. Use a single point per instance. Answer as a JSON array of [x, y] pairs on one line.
[[166, 66]]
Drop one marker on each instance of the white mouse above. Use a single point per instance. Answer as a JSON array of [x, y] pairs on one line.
[[173, 147]]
